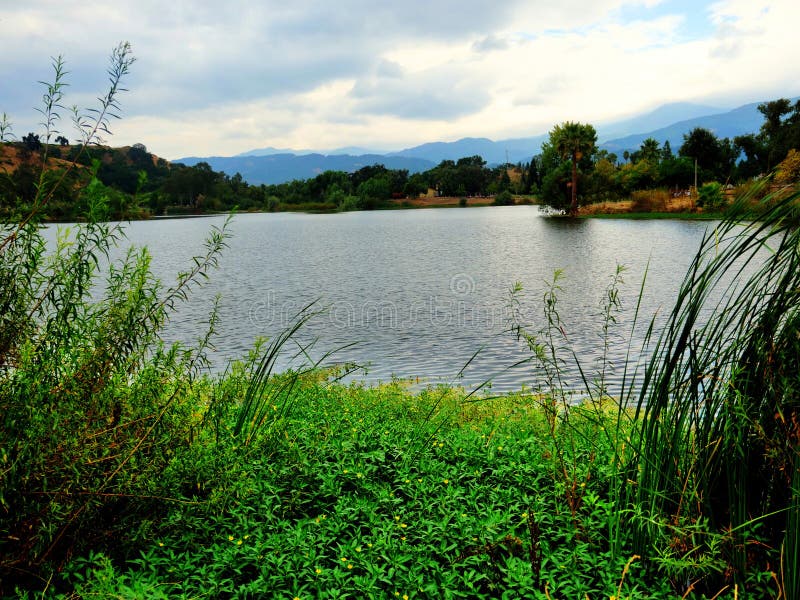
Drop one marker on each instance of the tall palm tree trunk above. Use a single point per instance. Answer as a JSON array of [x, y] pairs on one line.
[[573, 207]]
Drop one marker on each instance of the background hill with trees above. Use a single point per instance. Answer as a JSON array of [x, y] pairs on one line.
[[571, 170]]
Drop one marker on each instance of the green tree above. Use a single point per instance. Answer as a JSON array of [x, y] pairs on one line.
[[649, 151], [779, 133], [445, 178], [471, 175], [757, 154], [666, 151], [417, 184], [676, 172], [504, 198], [715, 158], [637, 175], [574, 140], [602, 184], [710, 196], [374, 190], [702, 145], [534, 175]]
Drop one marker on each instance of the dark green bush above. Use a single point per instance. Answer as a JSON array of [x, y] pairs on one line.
[[504, 198]]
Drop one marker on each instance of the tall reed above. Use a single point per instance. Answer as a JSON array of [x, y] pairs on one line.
[[706, 446], [718, 401]]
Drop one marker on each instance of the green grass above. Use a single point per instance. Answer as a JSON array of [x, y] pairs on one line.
[[368, 495]]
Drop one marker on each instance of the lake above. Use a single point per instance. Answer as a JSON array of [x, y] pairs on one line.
[[420, 291]]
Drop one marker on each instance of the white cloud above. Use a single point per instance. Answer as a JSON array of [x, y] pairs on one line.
[[314, 74]]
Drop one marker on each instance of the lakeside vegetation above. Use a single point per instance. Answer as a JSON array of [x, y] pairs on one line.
[[127, 471]]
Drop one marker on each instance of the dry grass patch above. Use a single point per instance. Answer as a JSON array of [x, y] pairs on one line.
[[643, 202], [425, 202]]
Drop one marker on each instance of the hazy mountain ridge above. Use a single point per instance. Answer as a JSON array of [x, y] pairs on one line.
[[661, 117], [280, 168], [666, 123], [739, 121]]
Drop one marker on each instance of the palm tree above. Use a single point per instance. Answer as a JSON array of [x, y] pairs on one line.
[[573, 140], [650, 151]]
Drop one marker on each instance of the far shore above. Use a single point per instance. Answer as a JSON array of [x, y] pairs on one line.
[[679, 208]]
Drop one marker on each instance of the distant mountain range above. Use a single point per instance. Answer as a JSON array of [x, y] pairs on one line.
[[279, 168], [668, 122], [739, 121]]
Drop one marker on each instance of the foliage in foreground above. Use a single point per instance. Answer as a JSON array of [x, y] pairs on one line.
[[378, 493], [720, 403]]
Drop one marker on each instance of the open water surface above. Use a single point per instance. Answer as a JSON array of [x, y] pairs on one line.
[[420, 291]]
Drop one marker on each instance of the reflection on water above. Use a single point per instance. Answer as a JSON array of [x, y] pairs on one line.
[[422, 290]]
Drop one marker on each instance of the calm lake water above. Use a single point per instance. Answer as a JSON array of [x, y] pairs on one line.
[[420, 291]]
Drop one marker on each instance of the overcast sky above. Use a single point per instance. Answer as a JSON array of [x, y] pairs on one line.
[[219, 78]]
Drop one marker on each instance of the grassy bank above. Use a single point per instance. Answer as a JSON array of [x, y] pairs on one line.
[[381, 493], [375, 493]]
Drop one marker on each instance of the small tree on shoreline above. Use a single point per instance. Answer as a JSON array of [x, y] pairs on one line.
[[574, 140]]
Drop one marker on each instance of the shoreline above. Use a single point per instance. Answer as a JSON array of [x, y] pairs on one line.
[[446, 203]]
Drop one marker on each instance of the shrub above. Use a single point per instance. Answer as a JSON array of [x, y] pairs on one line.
[[271, 203], [504, 198], [93, 405], [710, 196], [650, 201], [350, 203]]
